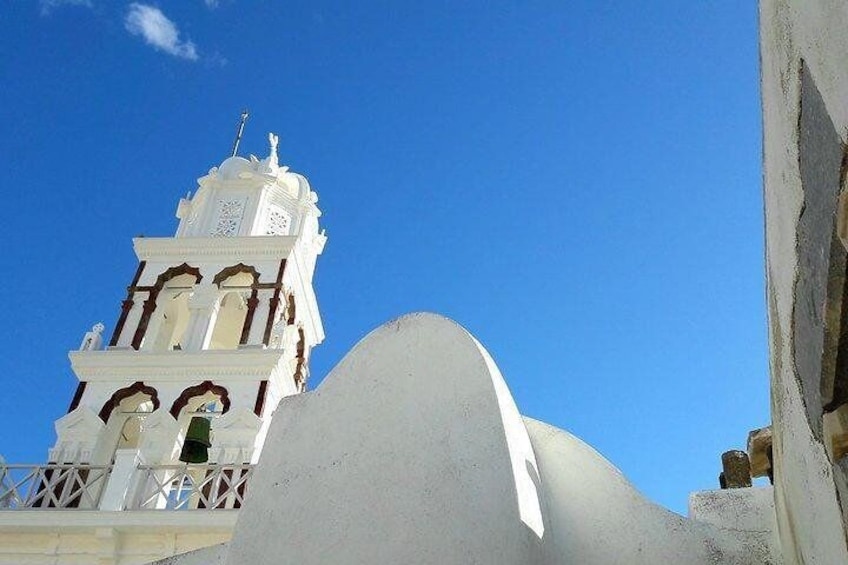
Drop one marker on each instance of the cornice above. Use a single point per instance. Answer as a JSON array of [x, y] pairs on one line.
[[78, 521], [156, 366], [190, 249]]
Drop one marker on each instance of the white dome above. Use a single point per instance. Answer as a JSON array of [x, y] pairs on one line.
[[232, 168]]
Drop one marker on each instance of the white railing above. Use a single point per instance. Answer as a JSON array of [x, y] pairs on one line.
[[53, 486], [191, 487]]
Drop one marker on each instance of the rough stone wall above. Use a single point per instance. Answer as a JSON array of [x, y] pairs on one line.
[[804, 91], [817, 248]]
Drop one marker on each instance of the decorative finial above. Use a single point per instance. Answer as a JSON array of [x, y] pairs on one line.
[[270, 164], [244, 115], [93, 340]]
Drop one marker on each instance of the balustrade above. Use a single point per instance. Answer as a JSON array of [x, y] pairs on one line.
[[51, 486], [152, 487], [197, 487]]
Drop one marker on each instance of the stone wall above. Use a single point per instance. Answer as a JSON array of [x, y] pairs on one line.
[[805, 115]]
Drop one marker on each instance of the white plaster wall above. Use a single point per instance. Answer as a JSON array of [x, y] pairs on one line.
[[748, 509], [400, 457], [215, 555], [595, 516], [791, 30], [412, 451], [60, 545]]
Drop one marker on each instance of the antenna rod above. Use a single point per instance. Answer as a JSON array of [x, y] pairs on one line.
[[244, 115]]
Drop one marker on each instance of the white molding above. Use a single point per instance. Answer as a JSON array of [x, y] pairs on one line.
[[196, 249], [79, 424], [177, 521], [153, 366]]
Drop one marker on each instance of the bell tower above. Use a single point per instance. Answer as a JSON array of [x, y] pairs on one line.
[[222, 317], [172, 409]]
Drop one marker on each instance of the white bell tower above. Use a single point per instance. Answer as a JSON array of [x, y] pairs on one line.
[[222, 315], [218, 322]]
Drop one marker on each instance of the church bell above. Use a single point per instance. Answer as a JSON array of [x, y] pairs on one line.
[[196, 445]]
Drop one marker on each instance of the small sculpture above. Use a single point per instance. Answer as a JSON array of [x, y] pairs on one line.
[[93, 340], [271, 163]]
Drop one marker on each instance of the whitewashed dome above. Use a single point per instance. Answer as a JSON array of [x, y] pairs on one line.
[[235, 168]]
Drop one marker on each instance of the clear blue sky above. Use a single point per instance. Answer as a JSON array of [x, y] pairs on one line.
[[576, 182]]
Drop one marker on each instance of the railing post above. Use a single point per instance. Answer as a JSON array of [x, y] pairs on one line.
[[7, 492], [122, 481]]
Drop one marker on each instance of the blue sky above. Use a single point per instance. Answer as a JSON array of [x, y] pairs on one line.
[[576, 182]]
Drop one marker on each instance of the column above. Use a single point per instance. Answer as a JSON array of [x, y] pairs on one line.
[[260, 317], [133, 308], [203, 306]]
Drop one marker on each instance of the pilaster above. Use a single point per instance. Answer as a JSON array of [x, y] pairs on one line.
[[203, 305]]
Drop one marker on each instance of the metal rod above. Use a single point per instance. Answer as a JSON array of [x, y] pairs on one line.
[[244, 115], [195, 413]]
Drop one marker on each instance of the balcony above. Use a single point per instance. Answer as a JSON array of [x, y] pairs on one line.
[[191, 487], [121, 487], [52, 486]]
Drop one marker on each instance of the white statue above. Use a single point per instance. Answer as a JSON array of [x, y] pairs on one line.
[[271, 164]]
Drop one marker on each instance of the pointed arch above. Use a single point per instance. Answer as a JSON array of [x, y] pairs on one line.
[[199, 390], [126, 392]]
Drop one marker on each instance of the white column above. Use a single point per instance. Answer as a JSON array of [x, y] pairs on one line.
[[203, 306], [121, 483], [156, 319], [131, 323], [158, 439], [260, 317]]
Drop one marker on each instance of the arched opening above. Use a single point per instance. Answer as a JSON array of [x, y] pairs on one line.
[[233, 310], [188, 400], [229, 322], [124, 414], [206, 399], [172, 306], [132, 411], [174, 278], [197, 485], [127, 392]]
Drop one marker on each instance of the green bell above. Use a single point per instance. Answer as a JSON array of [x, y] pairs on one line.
[[196, 445]]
